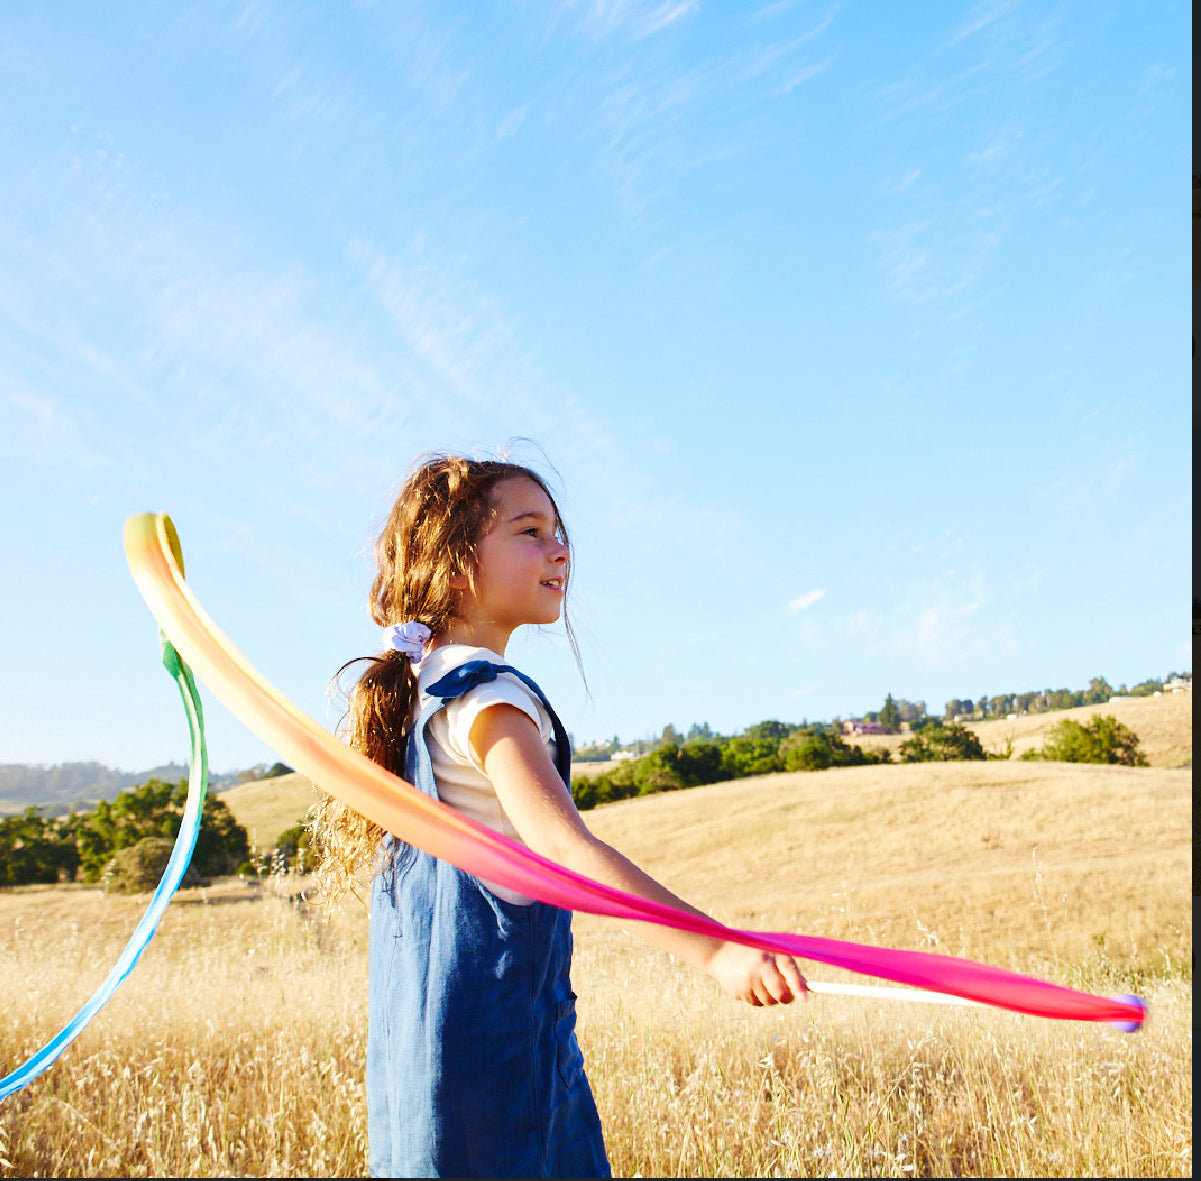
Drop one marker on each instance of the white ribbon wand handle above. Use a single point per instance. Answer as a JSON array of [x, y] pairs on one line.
[[914, 996]]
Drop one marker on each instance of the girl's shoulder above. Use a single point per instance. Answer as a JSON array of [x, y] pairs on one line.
[[448, 657], [507, 689]]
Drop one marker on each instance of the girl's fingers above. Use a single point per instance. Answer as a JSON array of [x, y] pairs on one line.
[[793, 975], [774, 983]]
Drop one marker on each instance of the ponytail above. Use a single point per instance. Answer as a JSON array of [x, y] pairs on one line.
[[378, 719], [379, 716]]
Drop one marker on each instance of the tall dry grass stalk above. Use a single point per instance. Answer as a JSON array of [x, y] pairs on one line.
[[237, 1045]]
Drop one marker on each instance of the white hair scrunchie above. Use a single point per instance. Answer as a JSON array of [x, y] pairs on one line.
[[409, 638]]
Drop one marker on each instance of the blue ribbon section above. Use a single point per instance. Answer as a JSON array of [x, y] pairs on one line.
[[181, 855]]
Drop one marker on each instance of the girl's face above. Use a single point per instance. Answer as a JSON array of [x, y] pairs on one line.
[[521, 570]]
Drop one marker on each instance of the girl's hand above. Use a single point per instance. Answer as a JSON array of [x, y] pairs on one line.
[[757, 977]]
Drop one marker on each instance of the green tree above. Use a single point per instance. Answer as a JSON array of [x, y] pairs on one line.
[[669, 736], [1100, 740], [890, 716], [699, 763], [34, 849], [751, 756], [585, 792], [222, 844], [942, 744], [768, 731], [138, 868], [155, 809], [813, 752], [1147, 688]]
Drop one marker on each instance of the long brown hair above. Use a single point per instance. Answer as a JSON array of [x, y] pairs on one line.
[[444, 509]]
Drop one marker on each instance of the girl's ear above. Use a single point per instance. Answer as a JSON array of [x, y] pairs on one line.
[[458, 580]]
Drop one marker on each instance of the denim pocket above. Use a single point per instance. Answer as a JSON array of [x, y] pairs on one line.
[[571, 1061]]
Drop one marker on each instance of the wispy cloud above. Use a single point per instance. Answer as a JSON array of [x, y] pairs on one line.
[[634, 19], [997, 150], [936, 619], [763, 59], [803, 75], [455, 329], [927, 260], [205, 348], [771, 11], [979, 18], [264, 329], [511, 124], [42, 429], [859, 623], [471, 353], [1116, 472], [914, 96], [663, 16], [656, 121], [899, 185], [805, 601]]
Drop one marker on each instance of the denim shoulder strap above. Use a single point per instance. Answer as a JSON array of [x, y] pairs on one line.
[[462, 680]]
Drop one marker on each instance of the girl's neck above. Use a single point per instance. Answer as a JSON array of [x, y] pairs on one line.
[[475, 634]]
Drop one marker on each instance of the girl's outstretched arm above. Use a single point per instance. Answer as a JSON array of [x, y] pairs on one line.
[[510, 749]]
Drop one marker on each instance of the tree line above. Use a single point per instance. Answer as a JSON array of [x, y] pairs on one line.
[[898, 714], [74, 787], [772, 746], [761, 749], [83, 846]]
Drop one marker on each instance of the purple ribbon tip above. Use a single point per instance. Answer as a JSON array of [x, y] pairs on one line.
[[1131, 1026]]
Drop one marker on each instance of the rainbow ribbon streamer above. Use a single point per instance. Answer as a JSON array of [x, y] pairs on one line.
[[177, 866], [155, 560]]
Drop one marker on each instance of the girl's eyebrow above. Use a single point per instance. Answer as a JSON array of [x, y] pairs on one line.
[[541, 516]]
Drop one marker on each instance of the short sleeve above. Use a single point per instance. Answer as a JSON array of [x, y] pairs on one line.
[[505, 690]]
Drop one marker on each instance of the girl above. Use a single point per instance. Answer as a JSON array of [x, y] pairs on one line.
[[472, 1062]]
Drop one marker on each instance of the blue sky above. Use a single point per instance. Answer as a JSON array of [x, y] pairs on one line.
[[858, 336]]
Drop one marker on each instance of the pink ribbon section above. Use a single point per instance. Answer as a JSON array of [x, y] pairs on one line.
[[496, 858]]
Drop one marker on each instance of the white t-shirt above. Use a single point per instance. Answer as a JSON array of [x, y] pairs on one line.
[[460, 778]]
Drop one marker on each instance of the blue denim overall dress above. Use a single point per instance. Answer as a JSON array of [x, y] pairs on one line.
[[472, 1063]]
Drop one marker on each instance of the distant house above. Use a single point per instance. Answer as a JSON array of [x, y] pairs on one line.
[[621, 756], [1179, 685], [854, 727]]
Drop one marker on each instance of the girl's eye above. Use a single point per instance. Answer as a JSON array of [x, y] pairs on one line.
[[532, 531]]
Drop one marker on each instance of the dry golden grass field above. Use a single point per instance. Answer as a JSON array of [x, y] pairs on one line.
[[236, 1047]]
